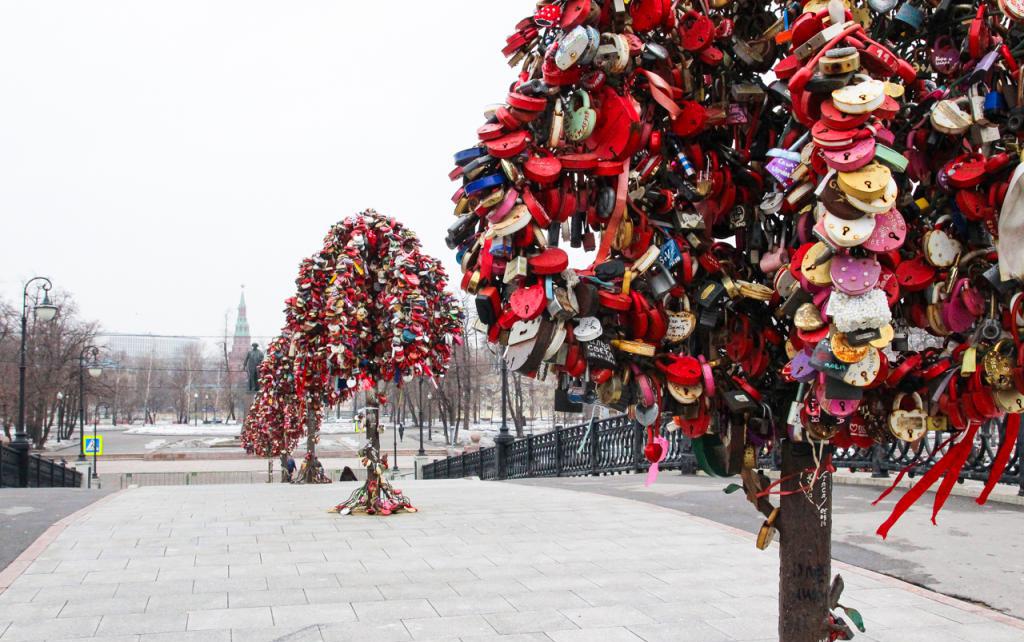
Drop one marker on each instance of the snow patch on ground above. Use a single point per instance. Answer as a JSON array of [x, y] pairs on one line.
[[186, 430]]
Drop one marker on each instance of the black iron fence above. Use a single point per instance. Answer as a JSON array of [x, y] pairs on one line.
[[616, 445], [39, 472]]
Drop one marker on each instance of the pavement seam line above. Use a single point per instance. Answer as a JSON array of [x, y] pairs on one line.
[[21, 563], [976, 609], [905, 484]]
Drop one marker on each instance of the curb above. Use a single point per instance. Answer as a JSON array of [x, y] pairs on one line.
[[21, 563]]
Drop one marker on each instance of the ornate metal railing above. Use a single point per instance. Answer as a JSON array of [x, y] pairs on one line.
[[898, 455], [616, 445], [39, 471]]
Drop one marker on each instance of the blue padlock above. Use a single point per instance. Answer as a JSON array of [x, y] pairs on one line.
[[995, 105]]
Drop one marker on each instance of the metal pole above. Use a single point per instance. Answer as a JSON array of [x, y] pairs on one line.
[[95, 442], [20, 443], [421, 452], [394, 410], [504, 439], [504, 398], [878, 455], [1020, 459], [81, 398], [81, 408]]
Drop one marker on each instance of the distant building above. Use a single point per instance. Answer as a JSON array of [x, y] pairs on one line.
[[119, 345]]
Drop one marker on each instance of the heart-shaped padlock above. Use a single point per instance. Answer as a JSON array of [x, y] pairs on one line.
[[581, 117]]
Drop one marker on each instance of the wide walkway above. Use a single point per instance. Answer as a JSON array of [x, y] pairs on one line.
[[483, 561], [955, 557]]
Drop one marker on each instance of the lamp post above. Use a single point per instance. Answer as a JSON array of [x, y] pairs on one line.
[[206, 409], [504, 439], [394, 411], [421, 452], [44, 312], [95, 441], [94, 371], [430, 417], [60, 414], [195, 410]]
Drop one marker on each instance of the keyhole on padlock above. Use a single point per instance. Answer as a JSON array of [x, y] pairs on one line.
[[842, 404], [868, 184], [846, 155], [846, 229]]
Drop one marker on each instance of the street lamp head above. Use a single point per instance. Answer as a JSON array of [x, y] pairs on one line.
[[60, 395], [95, 370], [46, 310]]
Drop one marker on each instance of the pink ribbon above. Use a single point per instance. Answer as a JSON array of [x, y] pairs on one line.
[[652, 472]]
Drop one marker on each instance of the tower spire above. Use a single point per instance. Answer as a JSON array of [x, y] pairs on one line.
[[241, 321]]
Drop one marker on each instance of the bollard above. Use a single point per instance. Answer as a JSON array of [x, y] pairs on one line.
[[878, 455]]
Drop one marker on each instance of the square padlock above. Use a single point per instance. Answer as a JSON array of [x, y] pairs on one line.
[[516, 268]]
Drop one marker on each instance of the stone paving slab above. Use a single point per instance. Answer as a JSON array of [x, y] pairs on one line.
[[481, 562]]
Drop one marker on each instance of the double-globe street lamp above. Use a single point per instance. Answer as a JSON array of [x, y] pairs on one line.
[[44, 312], [94, 371]]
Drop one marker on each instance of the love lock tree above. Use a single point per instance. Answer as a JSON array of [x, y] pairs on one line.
[[388, 319], [370, 309], [307, 328], [274, 423], [763, 245]]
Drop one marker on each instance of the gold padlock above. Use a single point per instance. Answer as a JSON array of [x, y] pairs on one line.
[[999, 365], [749, 457], [767, 532]]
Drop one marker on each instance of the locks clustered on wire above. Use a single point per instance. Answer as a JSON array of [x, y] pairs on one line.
[[774, 197]]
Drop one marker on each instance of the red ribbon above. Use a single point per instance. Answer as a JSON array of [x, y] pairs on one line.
[[610, 230], [661, 91], [949, 467], [1011, 430], [906, 469]]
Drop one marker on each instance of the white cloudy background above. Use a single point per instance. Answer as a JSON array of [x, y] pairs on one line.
[[156, 155]]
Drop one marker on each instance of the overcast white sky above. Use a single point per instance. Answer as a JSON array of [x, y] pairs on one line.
[[156, 155]]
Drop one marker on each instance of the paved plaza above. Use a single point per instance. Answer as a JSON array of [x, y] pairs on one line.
[[482, 561]]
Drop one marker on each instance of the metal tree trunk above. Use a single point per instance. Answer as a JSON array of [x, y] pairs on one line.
[[311, 433], [805, 550], [372, 423]]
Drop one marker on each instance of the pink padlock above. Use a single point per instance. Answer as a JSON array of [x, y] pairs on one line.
[[852, 158], [852, 275], [889, 233]]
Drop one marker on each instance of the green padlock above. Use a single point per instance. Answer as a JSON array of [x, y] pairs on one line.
[[581, 117]]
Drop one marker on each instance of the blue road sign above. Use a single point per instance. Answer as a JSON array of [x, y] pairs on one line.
[[94, 445]]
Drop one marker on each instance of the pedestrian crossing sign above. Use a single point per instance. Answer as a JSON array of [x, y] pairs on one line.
[[94, 445]]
